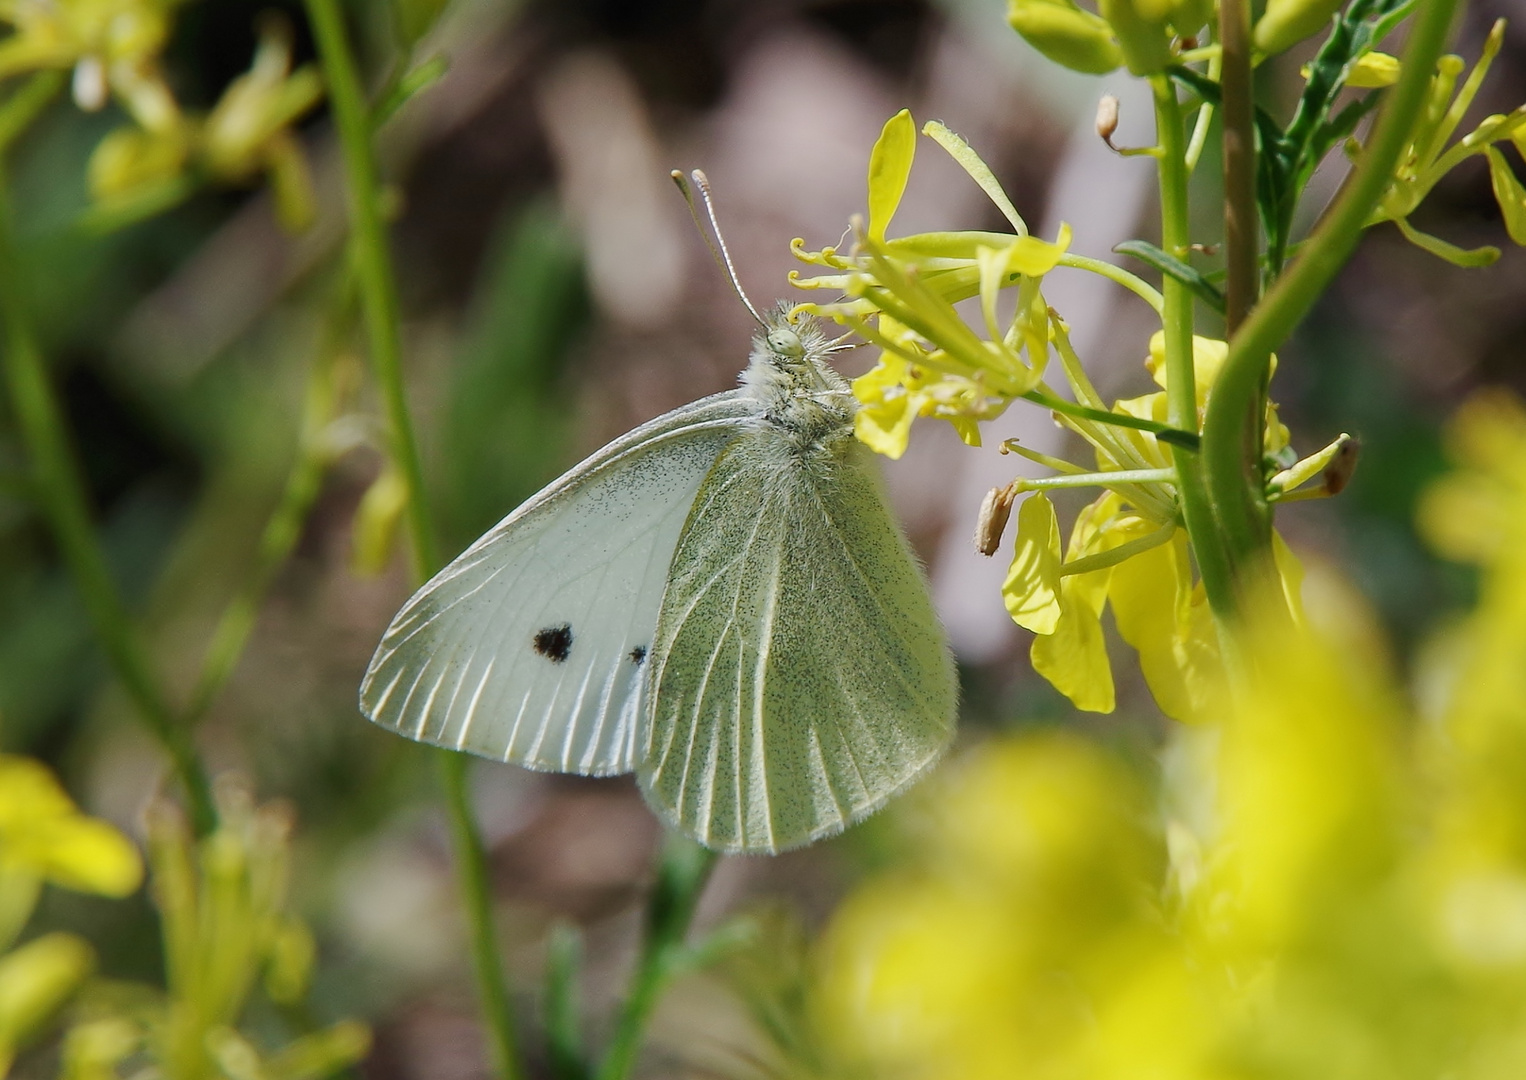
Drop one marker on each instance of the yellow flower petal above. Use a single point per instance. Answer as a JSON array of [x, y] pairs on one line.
[[87, 855], [1074, 657], [889, 167], [1032, 589]]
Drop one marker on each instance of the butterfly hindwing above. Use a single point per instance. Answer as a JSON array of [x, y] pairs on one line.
[[531, 646], [800, 677]]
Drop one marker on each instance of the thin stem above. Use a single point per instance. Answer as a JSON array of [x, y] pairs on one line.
[[1136, 285], [1205, 115], [1231, 436], [477, 897], [59, 487], [373, 268], [1113, 556], [1181, 378], [1239, 141], [681, 877], [1098, 479], [284, 526]]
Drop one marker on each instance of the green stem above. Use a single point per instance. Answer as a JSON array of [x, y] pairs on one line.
[[1181, 378], [681, 877], [284, 526], [1136, 285], [1099, 479], [372, 264], [1231, 435], [477, 896], [59, 487]]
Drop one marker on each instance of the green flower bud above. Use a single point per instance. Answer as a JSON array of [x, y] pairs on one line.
[[1140, 28], [1288, 22], [1067, 34]]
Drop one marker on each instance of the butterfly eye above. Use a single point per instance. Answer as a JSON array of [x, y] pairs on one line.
[[785, 343]]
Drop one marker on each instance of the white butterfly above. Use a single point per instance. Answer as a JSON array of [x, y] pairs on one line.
[[719, 601]]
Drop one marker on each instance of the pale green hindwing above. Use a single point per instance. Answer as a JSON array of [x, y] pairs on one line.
[[800, 677]]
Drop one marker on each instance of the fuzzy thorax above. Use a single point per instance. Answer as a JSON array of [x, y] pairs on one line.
[[800, 393]]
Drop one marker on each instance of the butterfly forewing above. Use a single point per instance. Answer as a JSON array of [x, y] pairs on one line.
[[531, 646], [800, 678]]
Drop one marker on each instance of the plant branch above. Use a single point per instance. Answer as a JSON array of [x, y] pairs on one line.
[[1241, 228], [1181, 378], [59, 487], [681, 877], [376, 280], [1231, 434]]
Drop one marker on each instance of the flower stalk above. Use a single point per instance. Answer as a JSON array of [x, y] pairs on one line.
[[1232, 460], [377, 285]]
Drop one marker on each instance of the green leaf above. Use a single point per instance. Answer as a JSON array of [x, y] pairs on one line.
[[1173, 267]]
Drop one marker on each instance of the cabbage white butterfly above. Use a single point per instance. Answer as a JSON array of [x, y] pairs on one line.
[[719, 601]]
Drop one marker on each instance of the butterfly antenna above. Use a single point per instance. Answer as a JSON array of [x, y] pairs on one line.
[[721, 255]]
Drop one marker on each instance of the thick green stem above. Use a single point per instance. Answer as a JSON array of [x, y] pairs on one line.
[[372, 265], [1181, 378], [60, 489], [681, 877], [1231, 434]]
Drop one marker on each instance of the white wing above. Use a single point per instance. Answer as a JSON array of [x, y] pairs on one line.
[[799, 675], [530, 646]]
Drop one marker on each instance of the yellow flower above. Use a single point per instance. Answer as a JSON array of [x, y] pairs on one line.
[[223, 910], [112, 45], [146, 167], [35, 982], [932, 363], [1128, 550], [1428, 157], [44, 838]]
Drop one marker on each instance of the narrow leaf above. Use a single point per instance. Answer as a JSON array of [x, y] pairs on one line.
[[1173, 267]]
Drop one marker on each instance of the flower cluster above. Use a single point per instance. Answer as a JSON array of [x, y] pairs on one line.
[[1428, 158], [1331, 889], [1128, 547], [45, 839], [222, 901], [157, 159]]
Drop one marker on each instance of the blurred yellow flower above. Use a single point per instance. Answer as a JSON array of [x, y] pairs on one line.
[[223, 908], [44, 838], [1320, 887]]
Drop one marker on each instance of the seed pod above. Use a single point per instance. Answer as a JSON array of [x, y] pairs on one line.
[[1067, 34]]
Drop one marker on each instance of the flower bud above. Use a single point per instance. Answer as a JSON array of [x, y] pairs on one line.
[[1067, 34], [1141, 32], [1107, 119], [1287, 22]]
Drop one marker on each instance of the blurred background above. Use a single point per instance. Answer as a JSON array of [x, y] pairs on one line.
[[556, 295]]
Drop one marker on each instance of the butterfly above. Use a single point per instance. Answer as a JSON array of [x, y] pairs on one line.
[[719, 601]]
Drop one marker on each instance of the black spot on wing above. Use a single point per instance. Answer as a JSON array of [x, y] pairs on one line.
[[638, 655], [554, 642]]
